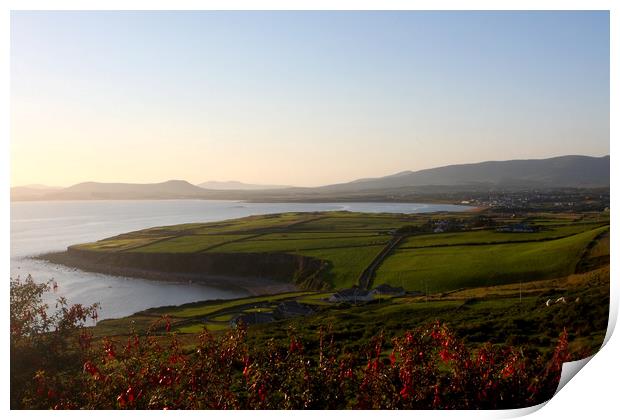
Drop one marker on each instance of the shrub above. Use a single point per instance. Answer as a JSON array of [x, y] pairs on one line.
[[40, 340], [428, 367]]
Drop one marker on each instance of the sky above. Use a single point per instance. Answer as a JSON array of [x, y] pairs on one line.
[[299, 98]]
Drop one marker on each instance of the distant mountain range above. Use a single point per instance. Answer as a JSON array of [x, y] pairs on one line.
[[32, 191], [116, 191], [236, 185], [558, 172], [563, 171]]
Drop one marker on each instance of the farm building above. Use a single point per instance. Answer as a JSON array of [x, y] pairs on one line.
[[517, 228], [291, 309], [355, 295], [252, 318], [386, 289]]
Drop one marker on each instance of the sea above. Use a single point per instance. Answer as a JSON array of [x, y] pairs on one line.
[[39, 227]]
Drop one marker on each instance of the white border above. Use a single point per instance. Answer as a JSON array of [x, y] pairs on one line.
[[593, 393], [310, 5]]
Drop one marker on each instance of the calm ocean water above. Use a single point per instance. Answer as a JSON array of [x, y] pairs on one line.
[[39, 227]]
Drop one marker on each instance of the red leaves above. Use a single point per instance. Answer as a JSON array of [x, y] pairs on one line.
[[295, 346], [110, 349], [246, 367], [561, 354], [436, 397], [90, 368], [167, 323], [85, 340], [445, 355], [130, 395], [508, 371], [262, 393], [166, 376], [428, 368], [511, 366]]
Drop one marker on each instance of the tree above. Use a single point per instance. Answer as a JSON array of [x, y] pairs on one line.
[[41, 340]]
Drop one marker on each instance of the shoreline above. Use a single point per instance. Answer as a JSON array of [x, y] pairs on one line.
[[274, 200], [254, 286]]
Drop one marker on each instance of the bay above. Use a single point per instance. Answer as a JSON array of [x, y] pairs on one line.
[[38, 227]]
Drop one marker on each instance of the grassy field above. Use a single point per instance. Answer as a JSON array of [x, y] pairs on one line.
[[213, 315], [346, 222], [439, 269], [512, 314], [120, 244], [295, 245], [347, 264], [490, 236], [484, 315], [189, 243], [349, 242], [487, 286], [203, 309], [256, 224]]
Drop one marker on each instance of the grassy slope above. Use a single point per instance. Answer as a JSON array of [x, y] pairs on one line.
[[347, 264], [189, 243], [211, 307], [199, 314], [480, 318], [350, 241], [452, 267], [295, 245], [490, 236], [120, 244], [495, 314]]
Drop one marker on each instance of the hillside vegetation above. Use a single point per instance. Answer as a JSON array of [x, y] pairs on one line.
[[500, 311], [435, 253]]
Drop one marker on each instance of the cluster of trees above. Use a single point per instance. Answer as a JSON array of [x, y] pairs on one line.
[[56, 363]]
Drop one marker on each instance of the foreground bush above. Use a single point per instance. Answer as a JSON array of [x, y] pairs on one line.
[[42, 342], [428, 367]]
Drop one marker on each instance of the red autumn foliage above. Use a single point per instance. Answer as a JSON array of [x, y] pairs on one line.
[[428, 367]]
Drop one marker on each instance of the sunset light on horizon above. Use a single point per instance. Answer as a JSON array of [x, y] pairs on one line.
[[299, 98]]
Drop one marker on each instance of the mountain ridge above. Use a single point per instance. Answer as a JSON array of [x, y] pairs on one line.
[[570, 171], [237, 185], [560, 171]]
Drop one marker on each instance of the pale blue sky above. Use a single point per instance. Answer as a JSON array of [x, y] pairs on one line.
[[303, 98]]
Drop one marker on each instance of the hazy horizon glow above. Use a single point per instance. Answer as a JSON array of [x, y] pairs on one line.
[[299, 98]]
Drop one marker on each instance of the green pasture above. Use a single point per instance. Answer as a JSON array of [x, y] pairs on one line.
[[346, 264], [438, 269], [295, 236], [198, 327], [118, 244], [200, 309], [491, 236], [252, 224], [349, 242], [355, 223], [189, 243], [292, 245]]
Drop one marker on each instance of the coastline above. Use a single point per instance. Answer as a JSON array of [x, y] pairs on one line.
[[253, 285], [267, 200]]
